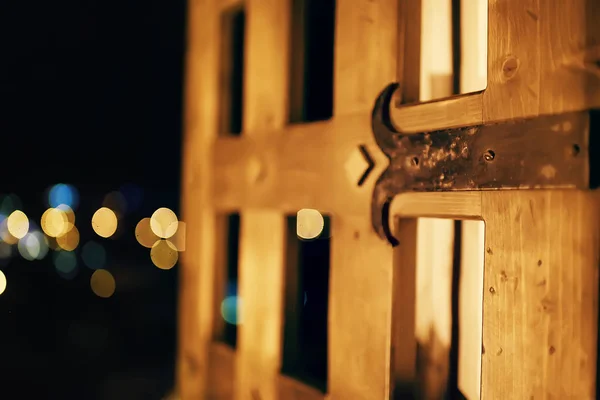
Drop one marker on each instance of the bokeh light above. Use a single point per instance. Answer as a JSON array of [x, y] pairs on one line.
[[17, 224], [5, 250], [144, 234], [2, 282], [178, 239], [230, 310], [65, 263], [70, 240], [68, 212], [104, 222], [309, 223], [33, 246], [163, 223], [164, 254], [5, 234], [54, 222], [103, 283], [63, 193], [93, 255]]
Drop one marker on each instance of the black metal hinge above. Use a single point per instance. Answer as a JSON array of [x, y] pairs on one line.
[[543, 152]]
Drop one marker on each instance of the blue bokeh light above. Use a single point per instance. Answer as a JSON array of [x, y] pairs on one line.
[[63, 193]]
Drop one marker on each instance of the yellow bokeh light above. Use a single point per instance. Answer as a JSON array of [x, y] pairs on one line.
[[104, 222], [70, 240], [309, 223], [2, 282], [144, 234], [163, 223], [5, 234], [68, 212], [54, 222], [17, 224], [164, 254], [103, 283], [178, 239]]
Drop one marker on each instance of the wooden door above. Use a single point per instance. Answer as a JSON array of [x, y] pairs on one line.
[[254, 148]]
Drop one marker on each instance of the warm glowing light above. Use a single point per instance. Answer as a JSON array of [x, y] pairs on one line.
[[54, 222], [70, 240], [17, 224], [93, 255], [144, 234], [68, 212], [163, 223], [178, 239], [309, 223], [5, 234], [2, 282], [63, 194], [230, 310], [65, 263], [33, 246], [164, 254], [104, 222], [103, 283]]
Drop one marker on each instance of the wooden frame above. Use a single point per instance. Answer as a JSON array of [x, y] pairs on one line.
[[262, 174]]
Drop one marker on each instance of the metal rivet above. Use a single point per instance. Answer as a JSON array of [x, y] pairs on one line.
[[489, 156]]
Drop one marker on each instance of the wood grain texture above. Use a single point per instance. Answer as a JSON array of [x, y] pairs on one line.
[[196, 295], [262, 243], [289, 171], [540, 307], [361, 263], [513, 63], [569, 55]]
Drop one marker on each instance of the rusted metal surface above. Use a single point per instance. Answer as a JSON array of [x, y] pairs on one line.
[[544, 152]]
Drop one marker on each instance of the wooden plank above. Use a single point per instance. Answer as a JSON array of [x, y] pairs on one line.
[[276, 173], [361, 263], [455, 111], [221, 372], [540, 307], [403, 372], [569, 55], [513, 89], [409, 50], [196, 312], [262, 244], [470, 309]]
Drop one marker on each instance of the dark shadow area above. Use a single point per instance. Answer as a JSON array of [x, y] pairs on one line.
[[311, 60], [306, 306], [91, 96]]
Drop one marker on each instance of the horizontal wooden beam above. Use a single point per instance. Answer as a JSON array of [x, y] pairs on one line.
[[452, 112], [316, 165]]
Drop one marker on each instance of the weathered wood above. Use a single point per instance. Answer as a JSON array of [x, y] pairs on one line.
[[196, 294], [360, 283], [262, 251], [540, 307]]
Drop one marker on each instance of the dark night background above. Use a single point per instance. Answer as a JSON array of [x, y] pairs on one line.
[[90, 95]]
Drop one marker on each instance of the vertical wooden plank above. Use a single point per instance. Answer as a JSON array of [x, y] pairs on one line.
[[262, 244], [196, 305], [404, 295], [470, 309], [435, 240], [513, 63], [409, 49], [540, 308], [570, 55], [474, 22], [361, 263]]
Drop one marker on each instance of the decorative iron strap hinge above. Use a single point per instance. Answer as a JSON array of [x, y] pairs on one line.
[[543, 152]]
